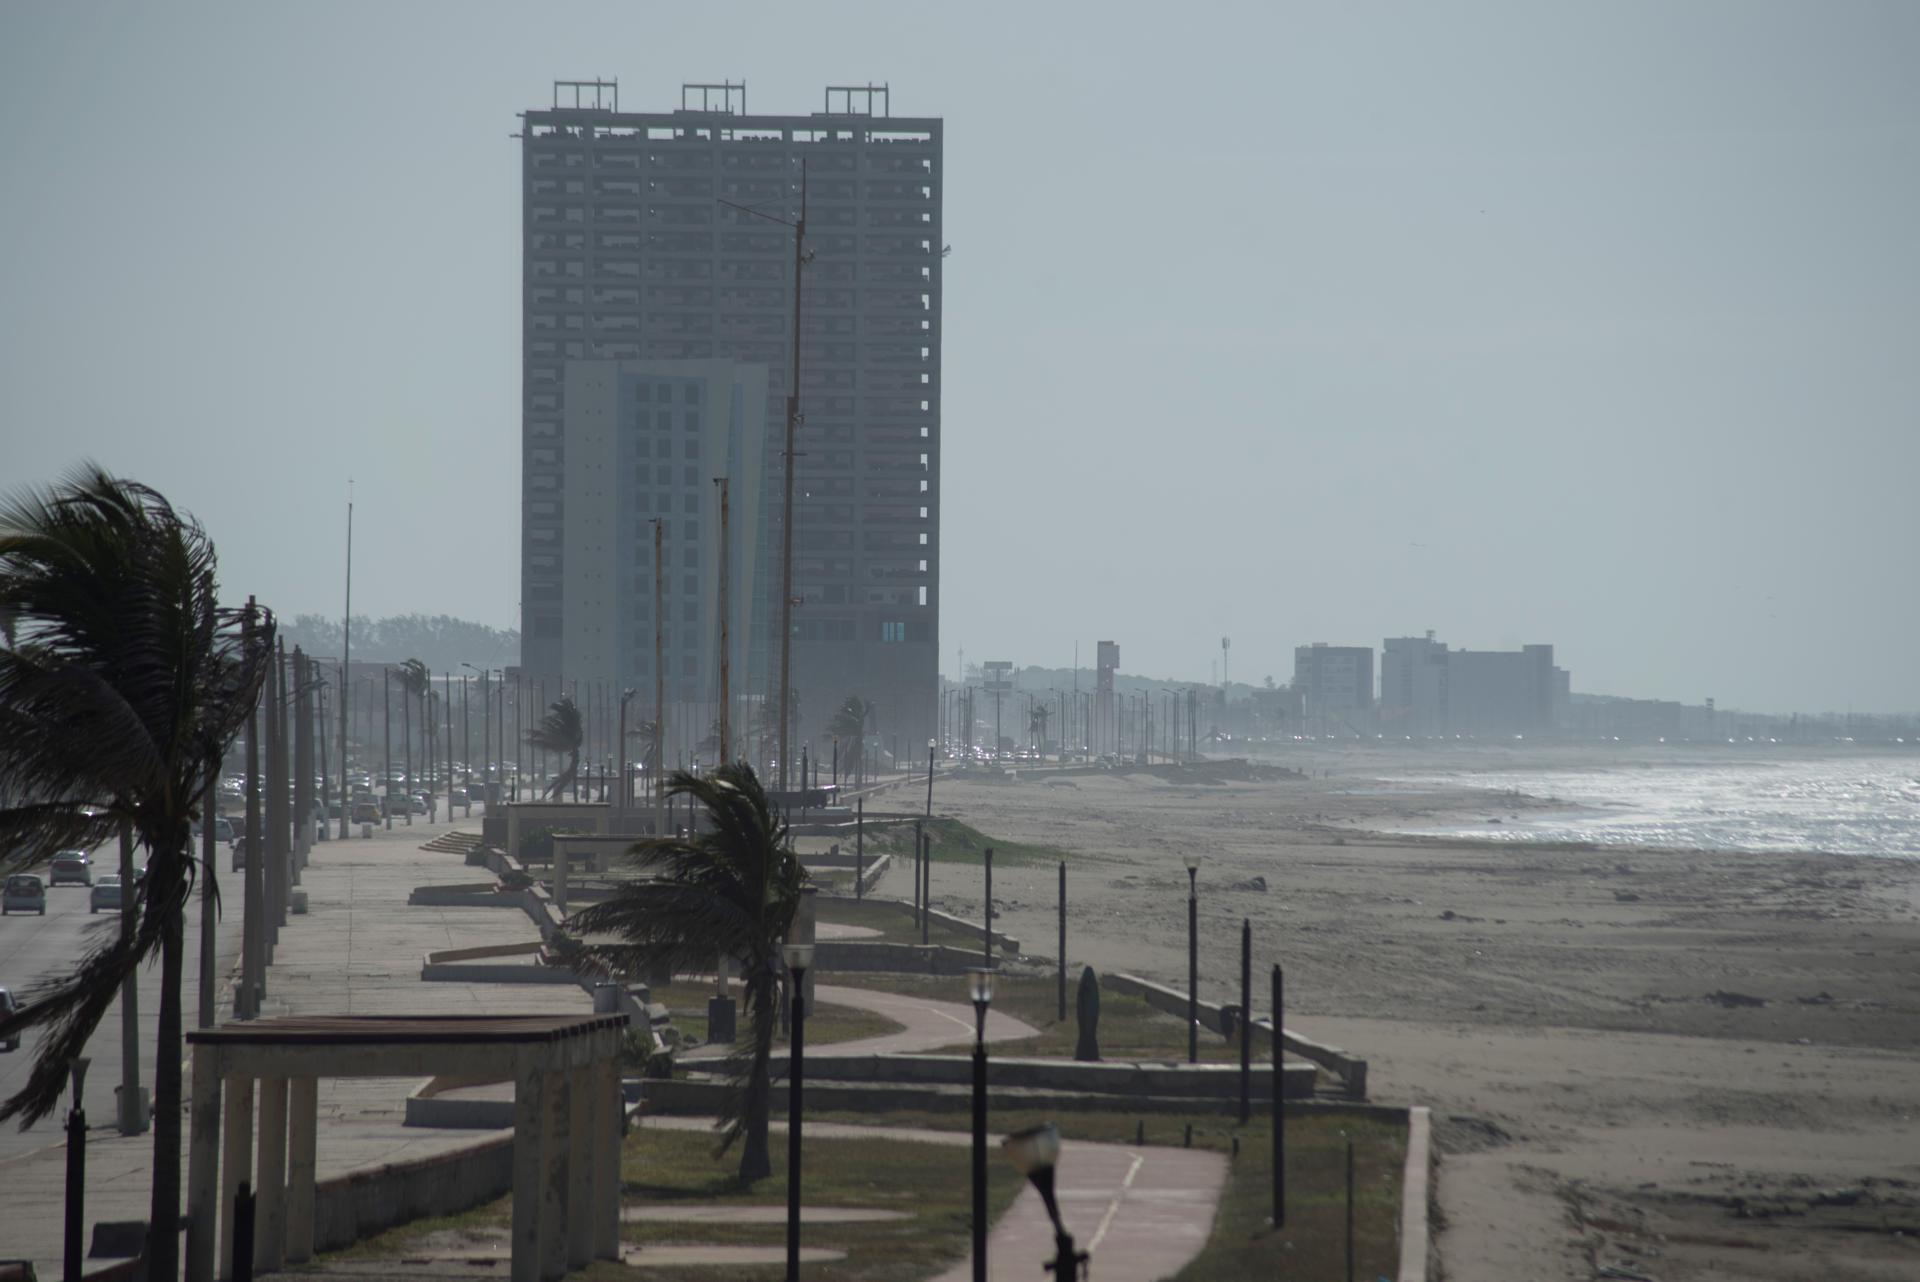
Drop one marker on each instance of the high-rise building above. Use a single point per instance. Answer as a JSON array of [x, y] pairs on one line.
[[1336, 686], [636, 247], [1427, 689]]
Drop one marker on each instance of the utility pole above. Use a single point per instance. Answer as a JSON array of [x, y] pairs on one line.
[[725, 651], [346, 663], [386, 738], [800, 260], [659, 685], [247, 1002]]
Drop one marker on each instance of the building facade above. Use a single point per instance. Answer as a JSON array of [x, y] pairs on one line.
[[1427, 689], [636, 248], [644, 443], [1336, 685]]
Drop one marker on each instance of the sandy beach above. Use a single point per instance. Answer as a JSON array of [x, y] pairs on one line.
[[1679, 1064]]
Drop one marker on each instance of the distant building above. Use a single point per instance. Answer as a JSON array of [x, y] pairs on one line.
[[1335, 684], [635, 247], [1427, 689]]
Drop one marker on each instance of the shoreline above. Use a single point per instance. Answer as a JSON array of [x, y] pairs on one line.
[[1661, 1032]]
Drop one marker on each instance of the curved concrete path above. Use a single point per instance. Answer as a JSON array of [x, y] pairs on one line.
[[1142, 1211], [924, 1024]]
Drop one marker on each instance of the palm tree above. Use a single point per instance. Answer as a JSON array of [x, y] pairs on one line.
[[561, 730], [119, 640], [414, 680], [730, 890], [849, 724], [1037, 726]]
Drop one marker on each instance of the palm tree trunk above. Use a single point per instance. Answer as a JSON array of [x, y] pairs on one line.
[[755, 1163], [163, 1238]]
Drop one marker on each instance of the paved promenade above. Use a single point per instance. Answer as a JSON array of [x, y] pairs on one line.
[[357, 950]]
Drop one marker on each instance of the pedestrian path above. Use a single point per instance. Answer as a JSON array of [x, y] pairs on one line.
[[1141, 1211], [925, 1024]]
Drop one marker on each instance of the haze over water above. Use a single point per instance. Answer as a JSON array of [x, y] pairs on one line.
[[1857, 805]]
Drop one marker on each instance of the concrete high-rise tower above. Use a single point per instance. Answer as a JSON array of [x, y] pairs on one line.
[[633, 250]]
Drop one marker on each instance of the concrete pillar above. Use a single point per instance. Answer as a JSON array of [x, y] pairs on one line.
[[303, 1107], [560, 862], [203, 1166], [580, 1126], [606, 1155], [236, 1161], [529, 1129], [556, 1149], [270, 1221]]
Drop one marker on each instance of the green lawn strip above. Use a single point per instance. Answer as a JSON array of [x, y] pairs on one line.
[[930, 1182], [1129, 1029], [1242, 1244], [894, 920], [827, 1022], [955, 841]]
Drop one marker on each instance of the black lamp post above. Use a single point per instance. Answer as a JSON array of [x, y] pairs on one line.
[[74, 1263], [1193, 957], [980, 990], [798, 957], [931, 745], [1034, 1152]]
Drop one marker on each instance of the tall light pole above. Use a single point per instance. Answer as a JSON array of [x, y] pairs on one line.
[[800, 259], [659, 684], [1193, 956], [726, 654], [625, 697], [346, 663], [798, 958], [980, 990]]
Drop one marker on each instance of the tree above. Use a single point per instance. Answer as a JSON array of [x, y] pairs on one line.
[[416, 681], [118, 640], [561, 730], [731, 890], [849, 725], [1037, 725]]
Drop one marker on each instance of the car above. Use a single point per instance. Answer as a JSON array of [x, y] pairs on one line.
[[24, 893], [419, 803], [366, 812], [106, 893], [457, 796], [70, 865], [8, 1005]]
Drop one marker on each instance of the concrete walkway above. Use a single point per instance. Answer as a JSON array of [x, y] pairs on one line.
[[355, 951], [1142, 1211], [924, 1024]]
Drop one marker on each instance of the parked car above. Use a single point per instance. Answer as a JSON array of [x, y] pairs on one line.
[[8, 1005], [71, 865], [457, 797], [366, 812], [24, 893], [418, 801], [106, 893]]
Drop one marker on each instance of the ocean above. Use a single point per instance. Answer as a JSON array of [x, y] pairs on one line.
[[1856, 805]]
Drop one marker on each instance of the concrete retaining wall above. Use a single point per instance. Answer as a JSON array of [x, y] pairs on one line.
[[362, 1203], [465, 897], [1351, 1070], [695, 1097], [1128, 1078], [915, 959]]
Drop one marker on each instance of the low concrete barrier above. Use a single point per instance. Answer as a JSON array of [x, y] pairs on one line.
[[698, 1097], [878, 955], [477, 966], [1128, 1078], [359, 1204], [479, 895], [1351, 1070]]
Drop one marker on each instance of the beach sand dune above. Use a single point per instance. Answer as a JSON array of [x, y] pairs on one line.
[[1685, 1064]]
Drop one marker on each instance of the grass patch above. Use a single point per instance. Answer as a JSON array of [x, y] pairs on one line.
[[894, 920], [927, 1181], [957, 842], [1129, 1028], [1243, 1243], [827, 1022]]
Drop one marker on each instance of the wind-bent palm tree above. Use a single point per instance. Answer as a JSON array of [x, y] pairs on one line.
[[121, 689], [1037, 726], [849, 725], [561, 730], [414, 680], [731, 889]]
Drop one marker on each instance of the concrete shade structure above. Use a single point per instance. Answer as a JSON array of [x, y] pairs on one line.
[[567, 1125]]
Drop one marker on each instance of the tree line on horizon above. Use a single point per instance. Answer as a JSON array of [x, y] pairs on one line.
[[440, 641]]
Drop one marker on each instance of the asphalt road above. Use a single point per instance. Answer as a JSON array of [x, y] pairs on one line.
[[33, 947]]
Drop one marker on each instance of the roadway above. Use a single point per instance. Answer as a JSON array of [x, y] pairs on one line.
[[34, 947]]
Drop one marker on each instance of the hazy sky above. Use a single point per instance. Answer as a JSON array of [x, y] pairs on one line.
[[1596, 325]]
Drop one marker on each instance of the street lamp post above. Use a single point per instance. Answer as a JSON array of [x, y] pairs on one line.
[[980, 991], [74, 1263], [1193, 956], [798, 958], [931, 745], [625, 696], [1034, 1152]]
